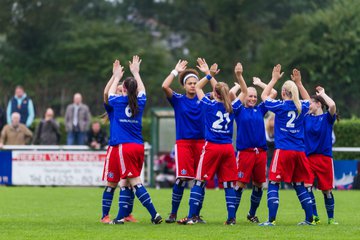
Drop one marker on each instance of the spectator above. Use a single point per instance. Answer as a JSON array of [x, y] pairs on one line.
[[96, 137], [15, 133], [2, 118], [47, 132], [22, 104], [77, 121]]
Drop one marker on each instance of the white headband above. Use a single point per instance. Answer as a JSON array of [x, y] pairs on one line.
[[189, 76]]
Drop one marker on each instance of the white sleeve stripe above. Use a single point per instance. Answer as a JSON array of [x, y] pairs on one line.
[[208, 103], [234, 101], [114, 95], [141, 93]]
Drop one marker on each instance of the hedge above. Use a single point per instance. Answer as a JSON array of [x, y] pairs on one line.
[[347, 133]]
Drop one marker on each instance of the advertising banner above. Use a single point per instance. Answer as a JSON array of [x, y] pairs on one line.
[[65, 168]]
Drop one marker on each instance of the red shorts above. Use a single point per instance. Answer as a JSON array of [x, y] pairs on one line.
[[111, 172], [219, 159], [251, 163], [187, 156], [289, 166], [322, 168], [125, 161]]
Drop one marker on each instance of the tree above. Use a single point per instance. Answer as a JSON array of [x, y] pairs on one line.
[[325, 46]]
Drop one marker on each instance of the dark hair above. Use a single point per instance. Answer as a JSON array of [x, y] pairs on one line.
[[222, 89], [131, 86], [183, 74], [324, 106]]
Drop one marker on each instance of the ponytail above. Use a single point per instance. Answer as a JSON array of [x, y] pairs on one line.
[[131, 86], [292, 92], [222, 90]]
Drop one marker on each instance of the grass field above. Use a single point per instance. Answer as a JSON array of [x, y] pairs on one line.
[[73, 213]]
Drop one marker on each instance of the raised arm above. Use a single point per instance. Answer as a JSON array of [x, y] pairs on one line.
[[135, 70], [106, 89], [108, 85], [239, 77], [257, 82], [204, 67], [180, 66], [276, 75], [118, 73], [296, 77], [199, 86], [320, 91], [233, 91]]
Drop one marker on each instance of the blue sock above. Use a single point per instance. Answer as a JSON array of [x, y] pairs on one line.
[[124, 200], [202, 199], [329, 204], [107, 198], [238, 194], [145, 199], [273, 200], [313, 201], [230, 199], [305, 200], [195, 198], [255, 200], [131, 202], [178, 191]]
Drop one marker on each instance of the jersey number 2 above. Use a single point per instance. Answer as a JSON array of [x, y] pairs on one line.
[[222, 117], [290, 123]]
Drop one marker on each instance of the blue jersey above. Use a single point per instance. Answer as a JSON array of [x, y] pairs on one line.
[[189, 117], [318, 130], [110, 112], [218, 122], [251, 127], [289, 125], [126, 128]]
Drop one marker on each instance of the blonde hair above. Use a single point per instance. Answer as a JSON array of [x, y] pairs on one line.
[[222, 90], [292, 92]]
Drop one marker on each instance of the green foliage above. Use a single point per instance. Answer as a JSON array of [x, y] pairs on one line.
[[347, 133], [325, 46], [57, 48]]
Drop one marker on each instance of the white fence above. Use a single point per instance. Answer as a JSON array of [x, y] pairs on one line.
[[62, 165]]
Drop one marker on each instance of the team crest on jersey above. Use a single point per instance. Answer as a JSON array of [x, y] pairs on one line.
[[240, 174], [198, 102], [183, 172], [110, 175], [255, 110]]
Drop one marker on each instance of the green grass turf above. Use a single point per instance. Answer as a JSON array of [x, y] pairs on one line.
[[73, 213]]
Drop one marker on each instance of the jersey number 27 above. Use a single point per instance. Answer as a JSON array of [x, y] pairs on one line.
[[222, 117]]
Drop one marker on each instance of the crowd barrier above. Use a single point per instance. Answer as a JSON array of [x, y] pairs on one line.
[[81, 166], [57, 165]]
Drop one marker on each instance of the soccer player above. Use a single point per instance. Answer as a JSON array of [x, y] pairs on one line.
[[251, 146], [111, 172], [189, 121], [128, 141], [318, 141], [289, 163], [218, 153]]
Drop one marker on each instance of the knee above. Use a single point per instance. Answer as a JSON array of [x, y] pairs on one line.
[[240, 184], [112, 184]]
